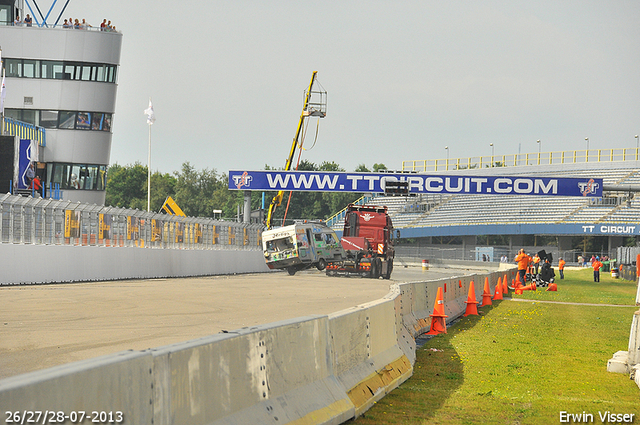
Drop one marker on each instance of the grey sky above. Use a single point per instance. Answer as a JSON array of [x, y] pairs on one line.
[[404, 78]]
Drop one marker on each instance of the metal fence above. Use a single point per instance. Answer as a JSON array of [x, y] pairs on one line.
[[27, 220]]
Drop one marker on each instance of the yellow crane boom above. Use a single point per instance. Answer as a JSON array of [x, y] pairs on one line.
[[309, 109]]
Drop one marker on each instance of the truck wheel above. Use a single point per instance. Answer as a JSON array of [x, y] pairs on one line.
[[376, 268], [291, 271], [387, 275], [322, 264]]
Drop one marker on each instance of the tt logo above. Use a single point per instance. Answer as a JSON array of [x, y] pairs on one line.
[[588, 187], [243, 180]]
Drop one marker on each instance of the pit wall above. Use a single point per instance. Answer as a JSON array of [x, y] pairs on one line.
[[27, 264], [322, 369]]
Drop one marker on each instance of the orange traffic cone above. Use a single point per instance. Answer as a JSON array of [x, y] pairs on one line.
[[459, 283], [471, 302], [530, 287], [438, 324], [497, 295], [505, 285], [515, 283], [486, 294], [552, 287]]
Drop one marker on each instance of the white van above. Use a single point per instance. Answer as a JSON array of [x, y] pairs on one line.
[[301, 246]]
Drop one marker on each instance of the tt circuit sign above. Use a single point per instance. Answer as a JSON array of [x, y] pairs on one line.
[[322, 181]]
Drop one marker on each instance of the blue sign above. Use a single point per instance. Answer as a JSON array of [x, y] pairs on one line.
[[594, 229], [26, 156], [326, 181]]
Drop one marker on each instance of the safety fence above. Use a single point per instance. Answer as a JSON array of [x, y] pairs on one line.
[[27, 220]]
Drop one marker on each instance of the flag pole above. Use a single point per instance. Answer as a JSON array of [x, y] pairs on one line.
[[151, 117], [149, 174]]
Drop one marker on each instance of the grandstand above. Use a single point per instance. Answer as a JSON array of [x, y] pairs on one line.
[[615, 216]]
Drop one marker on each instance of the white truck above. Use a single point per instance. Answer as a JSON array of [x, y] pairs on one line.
[[301, 246]]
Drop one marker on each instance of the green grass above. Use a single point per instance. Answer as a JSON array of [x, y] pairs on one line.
[[523, 362]]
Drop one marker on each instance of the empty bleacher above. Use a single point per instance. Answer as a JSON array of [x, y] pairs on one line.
[[456, 210]]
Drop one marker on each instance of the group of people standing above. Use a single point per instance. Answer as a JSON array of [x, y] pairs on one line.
[[526, 261], [28, 21], [84, 25]]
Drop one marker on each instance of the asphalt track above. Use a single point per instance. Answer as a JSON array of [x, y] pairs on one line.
[[48, 325]]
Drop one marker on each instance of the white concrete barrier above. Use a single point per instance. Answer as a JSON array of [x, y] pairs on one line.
[[278, 373], [628, 362], [368, 360], [117, 386], [26, 264]]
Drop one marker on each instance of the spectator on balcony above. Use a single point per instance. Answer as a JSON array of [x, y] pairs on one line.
[[103, 25], [66, 24], [18, 21], [28, 20]]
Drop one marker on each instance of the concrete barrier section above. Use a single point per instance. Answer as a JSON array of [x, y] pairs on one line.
[[278, 373], [114, 386], [65, 263], [368, 361]]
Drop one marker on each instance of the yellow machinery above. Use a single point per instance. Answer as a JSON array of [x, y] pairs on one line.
[[170, 207], [315, 105]]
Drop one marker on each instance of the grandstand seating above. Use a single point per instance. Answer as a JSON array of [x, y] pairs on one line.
[[455, 210]]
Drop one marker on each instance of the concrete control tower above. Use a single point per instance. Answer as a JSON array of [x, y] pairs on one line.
[[63, 79]]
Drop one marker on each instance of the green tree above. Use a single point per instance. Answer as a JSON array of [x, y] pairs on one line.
[[162, 186], [127, 186], [195, 190]]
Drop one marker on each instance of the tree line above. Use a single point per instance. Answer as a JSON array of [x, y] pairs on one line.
[[199, 192]]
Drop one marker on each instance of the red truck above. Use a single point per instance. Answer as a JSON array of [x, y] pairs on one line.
[[367, 241]]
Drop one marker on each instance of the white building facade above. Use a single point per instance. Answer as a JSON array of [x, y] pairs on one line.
[[65, 80]]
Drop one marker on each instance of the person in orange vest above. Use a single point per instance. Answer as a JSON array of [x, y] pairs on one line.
[[561, 264], [536, 263], [596, 264], [523, 262]]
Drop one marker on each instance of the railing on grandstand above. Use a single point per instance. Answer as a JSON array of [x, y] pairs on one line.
[[541, 158], [26, 220], [23, 130], [338, 217]]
